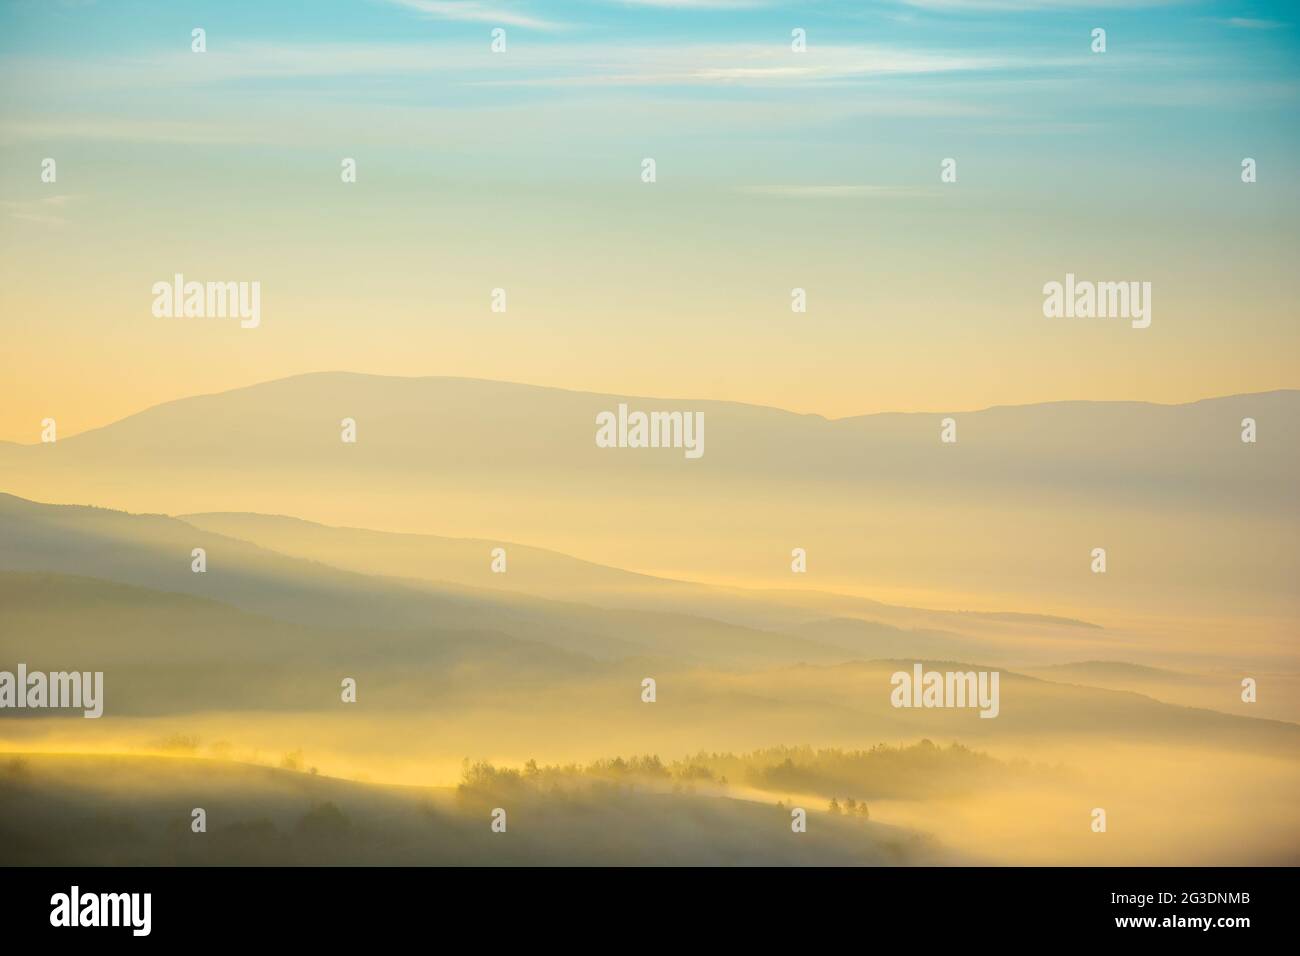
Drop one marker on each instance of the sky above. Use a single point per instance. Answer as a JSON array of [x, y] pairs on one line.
[[521, 170]]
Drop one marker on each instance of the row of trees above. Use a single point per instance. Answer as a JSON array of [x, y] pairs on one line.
[[851, 808]]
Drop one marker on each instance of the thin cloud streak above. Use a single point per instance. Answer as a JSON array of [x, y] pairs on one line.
[[475, 11], [839, 191], [44, 211], [564, 64]]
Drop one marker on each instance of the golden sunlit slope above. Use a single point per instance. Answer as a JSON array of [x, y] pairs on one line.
[[921, 804], [131, 811]]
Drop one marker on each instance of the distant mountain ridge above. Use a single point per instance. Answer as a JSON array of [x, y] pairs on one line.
[[879, 503], [666, 401]]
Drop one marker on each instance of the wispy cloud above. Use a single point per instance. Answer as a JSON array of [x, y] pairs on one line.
[[1249, 23], [597, 65], [737, 64], [696, 4], [45, 211], [119, 128], [478, 12], [837, 191], [1026, 6]]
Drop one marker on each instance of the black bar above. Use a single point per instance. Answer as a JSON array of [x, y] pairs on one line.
[[672, 906]]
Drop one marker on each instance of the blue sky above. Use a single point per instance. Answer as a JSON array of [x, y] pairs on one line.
[[1186, 73], [134, 25], [731, 47]]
